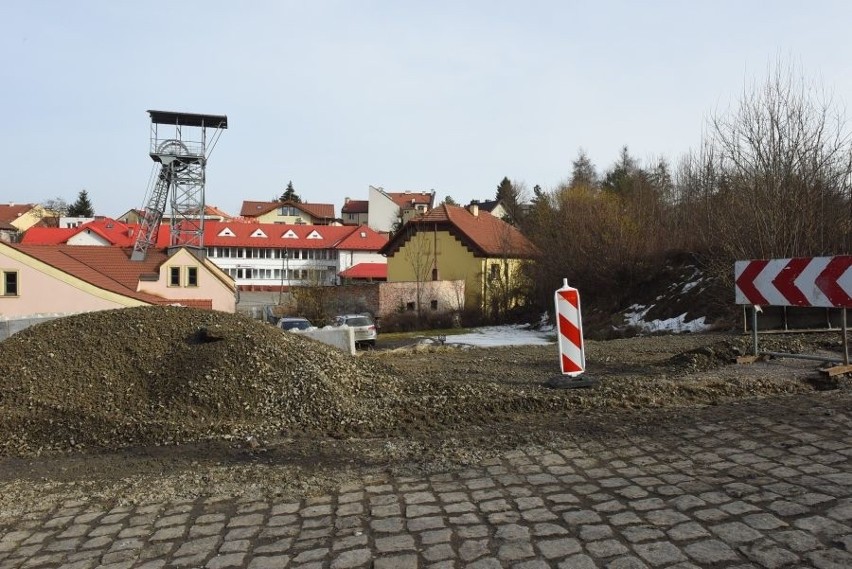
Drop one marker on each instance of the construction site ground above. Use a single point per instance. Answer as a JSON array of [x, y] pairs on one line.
[[262, 417]]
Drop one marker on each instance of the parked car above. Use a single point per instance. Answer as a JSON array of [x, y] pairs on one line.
[[365, 328], [294, 323]]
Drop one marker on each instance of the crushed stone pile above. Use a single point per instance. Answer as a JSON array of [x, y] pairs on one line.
[[168, 375], [162, 375]]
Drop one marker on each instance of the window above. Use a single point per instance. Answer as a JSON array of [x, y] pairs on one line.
[[433, 305], [9, 283], [435, 274], [410, 307], [183, 276], [495, 271]]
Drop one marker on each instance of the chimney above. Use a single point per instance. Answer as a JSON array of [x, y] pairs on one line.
[[474, 209], [346, 200]]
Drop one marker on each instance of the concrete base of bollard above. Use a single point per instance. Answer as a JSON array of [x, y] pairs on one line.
[[567, 382]]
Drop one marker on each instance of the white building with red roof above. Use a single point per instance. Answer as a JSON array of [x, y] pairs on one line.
[[386, 209], [268, 256], [258, 256]]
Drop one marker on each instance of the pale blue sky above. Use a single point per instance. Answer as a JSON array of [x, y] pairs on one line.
[[337, 96]]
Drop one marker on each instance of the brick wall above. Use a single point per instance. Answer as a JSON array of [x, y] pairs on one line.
[[383, 298]]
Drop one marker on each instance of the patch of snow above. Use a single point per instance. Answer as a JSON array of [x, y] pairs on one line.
[[492, 336], [675, 325], [635, 314], [691, 285]]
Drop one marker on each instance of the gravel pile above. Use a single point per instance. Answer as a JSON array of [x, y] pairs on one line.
[[162, 375], [157, 376]]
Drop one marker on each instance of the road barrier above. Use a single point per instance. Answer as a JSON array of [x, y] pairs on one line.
[[569, 323], [804, 281]]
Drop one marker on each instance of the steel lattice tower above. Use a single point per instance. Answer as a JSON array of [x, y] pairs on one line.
[[180, 144]]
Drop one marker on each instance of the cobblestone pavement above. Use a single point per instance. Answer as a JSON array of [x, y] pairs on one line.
[[762, 488]]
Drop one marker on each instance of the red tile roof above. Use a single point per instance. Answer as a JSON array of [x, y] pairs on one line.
[[216, 234], [9, 212], [108, 268], [112, 231], [356, 206], [371, 271], [363, 238], [484, 234], [192, 302], [48, 235], [214, 211], [408, 199], [315, 210], [254, 209]]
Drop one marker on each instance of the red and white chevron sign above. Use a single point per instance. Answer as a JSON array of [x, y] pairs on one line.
[[572, 358], [803, 281]]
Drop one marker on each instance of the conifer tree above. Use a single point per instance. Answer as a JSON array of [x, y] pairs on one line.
[[82, 207]]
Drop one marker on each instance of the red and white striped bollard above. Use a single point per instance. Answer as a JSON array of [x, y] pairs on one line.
[[569, 324]]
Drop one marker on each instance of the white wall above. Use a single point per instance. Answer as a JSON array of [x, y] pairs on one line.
[[383, 211]]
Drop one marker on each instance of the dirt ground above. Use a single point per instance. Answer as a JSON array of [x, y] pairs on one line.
[[444, 408]]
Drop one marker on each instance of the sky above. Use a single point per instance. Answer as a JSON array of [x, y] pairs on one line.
[[336, 96]]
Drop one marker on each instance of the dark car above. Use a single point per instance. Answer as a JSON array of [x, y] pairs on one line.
[[294, 323]]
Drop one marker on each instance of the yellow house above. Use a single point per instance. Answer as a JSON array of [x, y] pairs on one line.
[[454, 243], [290, 213]]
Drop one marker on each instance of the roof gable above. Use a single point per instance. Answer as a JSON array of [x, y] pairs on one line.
[[484, 234]]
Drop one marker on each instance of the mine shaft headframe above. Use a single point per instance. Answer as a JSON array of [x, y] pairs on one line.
[[169, 139], [179, 143]]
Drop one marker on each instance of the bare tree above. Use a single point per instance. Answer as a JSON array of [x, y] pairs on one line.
[[54, 207], [779, 167], [504, 281], [420, 254]]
